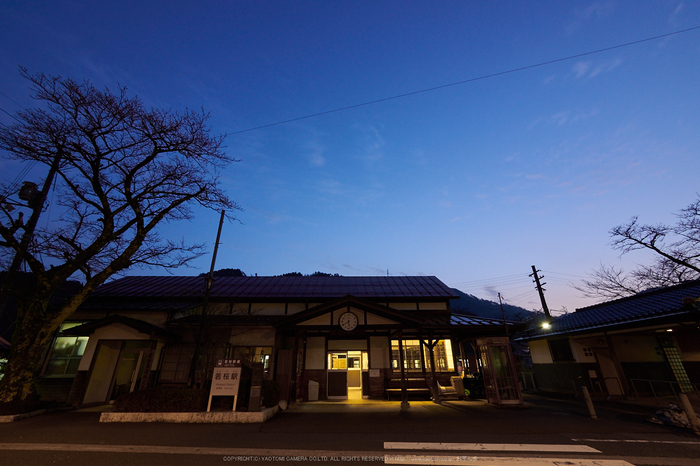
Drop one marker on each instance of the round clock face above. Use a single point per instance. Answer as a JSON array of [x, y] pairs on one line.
[[348, 321]]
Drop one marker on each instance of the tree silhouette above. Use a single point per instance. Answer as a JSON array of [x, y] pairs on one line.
[[120, 170], [676, 250]]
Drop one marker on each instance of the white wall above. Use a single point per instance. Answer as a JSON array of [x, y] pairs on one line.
[[539, 350], [111, 332], [315, 353], [380, 357]]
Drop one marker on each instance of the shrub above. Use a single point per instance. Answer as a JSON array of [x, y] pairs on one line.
[[163, 399]]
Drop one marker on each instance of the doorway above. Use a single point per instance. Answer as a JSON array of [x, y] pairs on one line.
[[119, 366], [345, 374]]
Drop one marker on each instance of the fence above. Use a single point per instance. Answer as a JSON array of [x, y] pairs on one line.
[[660, 388]]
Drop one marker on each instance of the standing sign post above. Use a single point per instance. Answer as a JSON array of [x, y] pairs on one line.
[[225, 380]]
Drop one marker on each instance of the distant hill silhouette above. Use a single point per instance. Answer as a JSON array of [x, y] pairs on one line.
[[466, 304], [469, 304]]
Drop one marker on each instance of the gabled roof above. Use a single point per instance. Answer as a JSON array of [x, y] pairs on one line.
[[648, 308], [278, 288], [351, 301]]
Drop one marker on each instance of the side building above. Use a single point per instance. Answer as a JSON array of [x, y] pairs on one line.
[[643, 345], [345, 337]]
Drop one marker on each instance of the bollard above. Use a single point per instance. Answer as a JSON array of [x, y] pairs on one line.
[[589, 403], [690, 413]]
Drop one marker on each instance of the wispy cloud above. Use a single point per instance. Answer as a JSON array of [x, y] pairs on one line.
[[673, 19], [592, 12], [315, 153], [371, 143], [588, 70]]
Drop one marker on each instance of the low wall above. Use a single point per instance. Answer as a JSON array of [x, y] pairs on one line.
[[232, 417]]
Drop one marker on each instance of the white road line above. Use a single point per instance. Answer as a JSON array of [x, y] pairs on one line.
[[488, 447], [632, 441], [499, 461]]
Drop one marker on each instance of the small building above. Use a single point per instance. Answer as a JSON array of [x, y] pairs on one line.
[[643, 345], [345, 337]]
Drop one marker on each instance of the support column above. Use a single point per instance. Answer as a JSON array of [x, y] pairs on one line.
[[404, 394], [434, 385], [463, 355]]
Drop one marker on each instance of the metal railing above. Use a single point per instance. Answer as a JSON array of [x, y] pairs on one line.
[[660, 388], [600, 384]]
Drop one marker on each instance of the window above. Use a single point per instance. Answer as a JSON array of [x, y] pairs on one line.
[[176, 363], [411, 355], [253, 354], [444, 360], [443, 356], [65, 354], [560, 350]]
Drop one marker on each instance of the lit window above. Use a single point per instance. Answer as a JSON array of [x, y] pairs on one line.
[[253, 354], [65, 354], [444, 359]]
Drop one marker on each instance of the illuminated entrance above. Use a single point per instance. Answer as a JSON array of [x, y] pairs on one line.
[[347, 374]]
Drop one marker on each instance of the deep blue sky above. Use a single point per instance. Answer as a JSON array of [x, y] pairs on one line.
[[472, 183]]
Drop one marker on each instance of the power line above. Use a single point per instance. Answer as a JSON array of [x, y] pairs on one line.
[[9, 114], [466, 81]]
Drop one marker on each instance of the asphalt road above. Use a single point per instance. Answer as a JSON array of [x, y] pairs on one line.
[[333, 433]]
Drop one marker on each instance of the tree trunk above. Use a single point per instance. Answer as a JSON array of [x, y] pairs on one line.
[[33, 333]]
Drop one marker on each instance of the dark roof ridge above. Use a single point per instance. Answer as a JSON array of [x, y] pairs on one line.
[[652, 292]]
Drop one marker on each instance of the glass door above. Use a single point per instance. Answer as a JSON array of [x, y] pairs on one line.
[[133, 365], [337, 386]]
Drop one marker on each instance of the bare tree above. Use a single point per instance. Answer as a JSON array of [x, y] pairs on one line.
[[676, 250], [121, 170]]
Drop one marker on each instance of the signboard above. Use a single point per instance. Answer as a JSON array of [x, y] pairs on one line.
[[225, 380]]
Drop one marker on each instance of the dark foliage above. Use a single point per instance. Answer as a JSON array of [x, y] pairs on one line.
[[20, 407], [270, 393], [225, 273]]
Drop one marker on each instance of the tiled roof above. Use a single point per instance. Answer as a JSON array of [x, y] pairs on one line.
[[463, 319], [286, 287], [640, 308]]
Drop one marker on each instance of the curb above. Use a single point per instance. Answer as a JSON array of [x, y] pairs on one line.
[[227, 417], [17, 417]]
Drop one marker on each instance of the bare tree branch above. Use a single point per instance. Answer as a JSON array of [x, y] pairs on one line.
[[124, 170], [676, 250]]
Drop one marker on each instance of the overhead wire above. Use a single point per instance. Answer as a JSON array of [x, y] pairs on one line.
[[465, 81], [14, 184]]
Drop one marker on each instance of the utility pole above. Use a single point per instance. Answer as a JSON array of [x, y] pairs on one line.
[[35, 200], [208, 282], [541, 291], [503, 312]]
